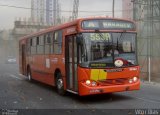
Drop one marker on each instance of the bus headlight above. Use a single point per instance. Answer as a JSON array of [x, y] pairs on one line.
[[135, 79], [94, 83], [88, 82], [130, 81], [91, 83]]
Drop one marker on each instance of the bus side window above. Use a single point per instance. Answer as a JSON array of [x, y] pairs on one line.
[[40, 45], [33, 45], [51, 43], [37, 41], [47, 43], [57, 42], [30, 42], [28, 49]]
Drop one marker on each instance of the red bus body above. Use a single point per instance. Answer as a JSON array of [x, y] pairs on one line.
[[45, 64]]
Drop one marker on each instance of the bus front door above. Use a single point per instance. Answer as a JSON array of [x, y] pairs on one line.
[[71, 63]]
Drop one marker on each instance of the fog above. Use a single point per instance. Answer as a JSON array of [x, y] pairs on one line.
[[10, 14]]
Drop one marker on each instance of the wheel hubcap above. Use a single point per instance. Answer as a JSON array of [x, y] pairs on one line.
[[59, 83], [29, 76]]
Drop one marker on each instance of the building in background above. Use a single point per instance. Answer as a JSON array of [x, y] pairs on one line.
[[23, 28], [37, 11], [7, 45], [147, 16], [45, 11], [127, 9]]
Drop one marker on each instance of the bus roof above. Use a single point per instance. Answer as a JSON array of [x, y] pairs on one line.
[[72, 23]]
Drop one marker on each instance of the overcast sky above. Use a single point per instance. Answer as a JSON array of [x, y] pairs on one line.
[[8, 14]]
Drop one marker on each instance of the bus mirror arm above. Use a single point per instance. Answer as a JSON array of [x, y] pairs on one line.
[[79, 39]]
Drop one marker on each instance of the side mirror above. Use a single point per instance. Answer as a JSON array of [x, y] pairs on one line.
[[79, 39]]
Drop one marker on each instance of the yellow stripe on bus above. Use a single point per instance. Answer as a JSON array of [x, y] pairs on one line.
[[102, 74], [98, 74], [94, 74]]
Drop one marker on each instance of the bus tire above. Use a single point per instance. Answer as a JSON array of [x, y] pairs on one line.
[[60, 84], [29, 75]]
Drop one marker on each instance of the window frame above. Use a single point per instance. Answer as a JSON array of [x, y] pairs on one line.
[[57, 40]]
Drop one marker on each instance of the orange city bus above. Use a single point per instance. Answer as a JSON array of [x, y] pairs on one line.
[[87, 56]]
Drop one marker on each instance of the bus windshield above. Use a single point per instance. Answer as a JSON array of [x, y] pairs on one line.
[[102, 49]]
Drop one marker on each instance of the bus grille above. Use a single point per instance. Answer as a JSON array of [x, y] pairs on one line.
[[119, 81]]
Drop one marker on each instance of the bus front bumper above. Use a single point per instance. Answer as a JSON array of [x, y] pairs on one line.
[[86, 90]]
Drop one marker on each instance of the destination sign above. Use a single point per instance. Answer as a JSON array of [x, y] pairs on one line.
[[108, 24], [100, 36], [117, 25]]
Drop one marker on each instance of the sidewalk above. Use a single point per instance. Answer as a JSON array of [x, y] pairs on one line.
[[150, 83]]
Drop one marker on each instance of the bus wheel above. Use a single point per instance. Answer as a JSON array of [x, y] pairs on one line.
[[29, 75], [60, 84]]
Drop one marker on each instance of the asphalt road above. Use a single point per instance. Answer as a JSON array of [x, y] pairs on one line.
[[16, 92]]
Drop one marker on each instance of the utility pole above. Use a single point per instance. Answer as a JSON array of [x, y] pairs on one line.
[[55, 12], [75, 9], [113, 9]]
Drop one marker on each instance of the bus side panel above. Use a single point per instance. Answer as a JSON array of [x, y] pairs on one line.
[[37, 67], [57, 63]]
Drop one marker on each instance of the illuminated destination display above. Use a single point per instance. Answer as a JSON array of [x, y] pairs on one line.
[[98, 37], [108, 24], [117, 25]]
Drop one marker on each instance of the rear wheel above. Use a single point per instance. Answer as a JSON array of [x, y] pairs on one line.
[[60, 84]]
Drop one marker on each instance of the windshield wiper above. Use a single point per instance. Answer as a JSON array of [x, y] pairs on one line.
[[101, 35], [119, 38], [98, 32]]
